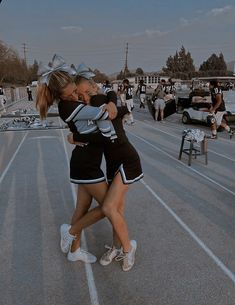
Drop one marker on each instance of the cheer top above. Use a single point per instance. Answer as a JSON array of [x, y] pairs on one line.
[[86, 119]]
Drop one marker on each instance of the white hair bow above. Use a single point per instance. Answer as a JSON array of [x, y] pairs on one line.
[[57, 64], [84, 71]]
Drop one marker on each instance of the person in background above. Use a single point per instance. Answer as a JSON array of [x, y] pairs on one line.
[[107, 87], [158, 99], [121, 94], [128, 118], [142, 93], [29, 92], [170, 90], [218, 110]]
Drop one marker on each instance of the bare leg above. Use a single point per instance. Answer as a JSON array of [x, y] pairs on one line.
[[83, 204], [156, 113], [213, 129], [111, 209], [116, 240], [162, 114], [97, 191]]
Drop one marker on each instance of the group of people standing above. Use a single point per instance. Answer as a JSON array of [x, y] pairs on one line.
[[96, 129]]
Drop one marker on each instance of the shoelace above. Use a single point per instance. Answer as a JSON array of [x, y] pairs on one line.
[[120, 256], [110, 249], [69, 237], [85, 252]]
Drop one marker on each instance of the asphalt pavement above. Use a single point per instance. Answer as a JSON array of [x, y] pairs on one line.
[[182, 217]]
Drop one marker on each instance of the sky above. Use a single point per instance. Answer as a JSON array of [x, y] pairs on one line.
[[96, 31]]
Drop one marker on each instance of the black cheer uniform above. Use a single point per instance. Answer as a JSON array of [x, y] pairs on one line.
[[120, 155], [85, 161]]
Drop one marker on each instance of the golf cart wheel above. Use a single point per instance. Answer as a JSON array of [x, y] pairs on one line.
[[185, 118]]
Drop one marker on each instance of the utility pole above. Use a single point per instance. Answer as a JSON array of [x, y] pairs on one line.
[[24, 50], [126, 70]]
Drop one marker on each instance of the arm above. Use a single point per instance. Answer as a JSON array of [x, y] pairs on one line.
[[85, 112], [112, 97], [112, 103], [112, 110], [137, 90], [84, 138]]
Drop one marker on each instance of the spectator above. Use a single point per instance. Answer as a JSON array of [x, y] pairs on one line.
[[128, 118], [29, 92], [142, 93], [158, 99], [121, 93]]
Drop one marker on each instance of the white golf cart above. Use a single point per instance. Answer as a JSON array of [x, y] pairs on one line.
[[198, 103]]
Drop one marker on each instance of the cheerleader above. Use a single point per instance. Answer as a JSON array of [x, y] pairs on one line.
[[123, 168]]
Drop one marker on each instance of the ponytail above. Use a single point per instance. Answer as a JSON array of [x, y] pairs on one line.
[[44, 100], [47, 94]]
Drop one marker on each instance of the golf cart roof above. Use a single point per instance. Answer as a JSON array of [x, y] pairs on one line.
[[222, 78]]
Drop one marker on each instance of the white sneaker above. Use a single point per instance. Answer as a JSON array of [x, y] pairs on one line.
[[81, 255], [66, 238], [128, 258], [109, 255]]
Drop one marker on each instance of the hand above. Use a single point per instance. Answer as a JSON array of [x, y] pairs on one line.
[[71, 141], [211, 110], [70, 138], [111, 109]]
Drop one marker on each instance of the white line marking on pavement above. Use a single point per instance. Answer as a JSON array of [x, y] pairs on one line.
[[89, 272], [43, 137], [177, 137], [218, 262], [12, 159], [188, 167]]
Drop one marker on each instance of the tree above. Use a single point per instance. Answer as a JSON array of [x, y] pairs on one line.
[[214, 65], [13, 69], [99, 77], [33, 71], [180, 65], [139, 71]]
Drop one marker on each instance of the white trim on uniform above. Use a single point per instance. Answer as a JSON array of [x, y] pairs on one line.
[[79, 107], [90, 181], [123, 175]]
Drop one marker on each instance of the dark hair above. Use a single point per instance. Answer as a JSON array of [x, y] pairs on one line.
[[214, 83], [126, 81]]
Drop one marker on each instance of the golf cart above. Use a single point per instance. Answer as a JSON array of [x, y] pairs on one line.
[[196, 107]]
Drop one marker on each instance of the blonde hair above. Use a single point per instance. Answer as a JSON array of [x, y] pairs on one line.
[[80, 79], [47, 94]]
